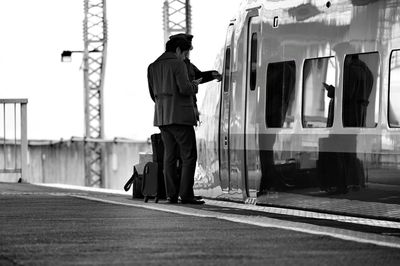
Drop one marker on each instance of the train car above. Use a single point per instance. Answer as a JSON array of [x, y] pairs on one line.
[[309, 101]]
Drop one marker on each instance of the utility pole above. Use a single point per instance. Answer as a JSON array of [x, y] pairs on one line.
[[94, 61], [177, 17]]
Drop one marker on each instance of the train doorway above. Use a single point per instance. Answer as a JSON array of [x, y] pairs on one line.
[[252, 172], [224, 127]]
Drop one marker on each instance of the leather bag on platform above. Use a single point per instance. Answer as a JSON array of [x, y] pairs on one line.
[[136, 181]]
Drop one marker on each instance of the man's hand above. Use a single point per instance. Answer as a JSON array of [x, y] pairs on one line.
[[216, 75]]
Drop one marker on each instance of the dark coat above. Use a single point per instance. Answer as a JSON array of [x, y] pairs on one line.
[[171, 91], [195, 73], [358, 82]]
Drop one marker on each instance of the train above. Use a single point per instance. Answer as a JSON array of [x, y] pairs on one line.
[[309, 101]]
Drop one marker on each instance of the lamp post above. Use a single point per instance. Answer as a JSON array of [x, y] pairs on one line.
[[93, 69], [94, 61]]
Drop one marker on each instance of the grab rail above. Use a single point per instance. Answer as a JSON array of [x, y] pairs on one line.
[[13, 141]]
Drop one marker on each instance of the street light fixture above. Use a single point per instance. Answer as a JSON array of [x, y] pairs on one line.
[[66, 56]]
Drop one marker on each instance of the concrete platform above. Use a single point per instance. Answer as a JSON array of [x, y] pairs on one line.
[[53, 226]]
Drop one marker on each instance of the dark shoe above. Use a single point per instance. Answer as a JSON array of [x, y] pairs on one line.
[[192, 201], [172, 200], [198, 197]]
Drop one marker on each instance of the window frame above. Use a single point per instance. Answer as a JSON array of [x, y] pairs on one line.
[[253, 61], [293, 61], [303, 90], [227, 69], [389, 88]]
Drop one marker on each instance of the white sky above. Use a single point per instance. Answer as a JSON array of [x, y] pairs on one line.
[[35, 32]]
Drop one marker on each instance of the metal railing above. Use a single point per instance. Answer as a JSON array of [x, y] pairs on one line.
[[8, 122]]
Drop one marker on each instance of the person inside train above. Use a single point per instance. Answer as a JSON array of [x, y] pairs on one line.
[[357, 86], [172, 93], [340, 170], [330, 89], [358, 83]]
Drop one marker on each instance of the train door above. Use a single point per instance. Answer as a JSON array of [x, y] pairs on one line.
[[224, 127], [251, 148]]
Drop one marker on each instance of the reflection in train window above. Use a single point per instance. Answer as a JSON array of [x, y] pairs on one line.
[[360, 105], [281, 79], [318, 92], [253, 61], [227, 70], [394, 90]]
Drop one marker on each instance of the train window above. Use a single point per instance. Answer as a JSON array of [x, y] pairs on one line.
[[227, 70], [318, 92], [253, 61], [394, 90], [360, 108], [281, 79]]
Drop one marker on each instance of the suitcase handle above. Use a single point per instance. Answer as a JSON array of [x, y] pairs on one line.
[[130, 181]]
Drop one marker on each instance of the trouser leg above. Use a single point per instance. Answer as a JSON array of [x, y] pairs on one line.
[[170, 174], [186, 139]]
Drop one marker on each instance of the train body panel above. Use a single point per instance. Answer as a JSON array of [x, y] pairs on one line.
[[309, 100]]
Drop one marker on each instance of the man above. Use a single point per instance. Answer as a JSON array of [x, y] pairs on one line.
[[358, 82], [174, 114], [193, 71]]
